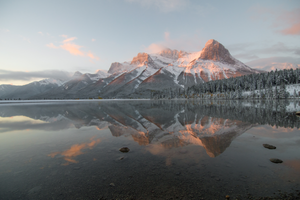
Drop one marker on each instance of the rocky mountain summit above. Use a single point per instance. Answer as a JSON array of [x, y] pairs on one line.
[[215, 51], [146, 73]]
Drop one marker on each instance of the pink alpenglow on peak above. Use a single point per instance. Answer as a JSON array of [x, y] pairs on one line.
[[173, 54], [140, 59], [213, 50], [212, 63]]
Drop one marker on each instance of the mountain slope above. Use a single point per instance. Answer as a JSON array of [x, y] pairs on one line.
[[150, 72], [30, 90]]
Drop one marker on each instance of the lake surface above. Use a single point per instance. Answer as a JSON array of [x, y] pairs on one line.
[[178, 150]]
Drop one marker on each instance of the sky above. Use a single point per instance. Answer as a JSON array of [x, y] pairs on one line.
[[54, 39]]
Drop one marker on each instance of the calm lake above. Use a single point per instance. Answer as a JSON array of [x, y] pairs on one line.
[[178, 150]]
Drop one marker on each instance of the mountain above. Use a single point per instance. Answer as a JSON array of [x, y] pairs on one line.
[[29, 90], [168, 69], [147, 73], [7, 89]]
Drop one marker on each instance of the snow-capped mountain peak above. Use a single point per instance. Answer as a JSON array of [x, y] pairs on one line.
[[51, 81], [77, 74], [215, 51], [172, 54], [98, 75], [148, 73]]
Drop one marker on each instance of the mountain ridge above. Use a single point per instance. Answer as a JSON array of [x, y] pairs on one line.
[[147, 72]]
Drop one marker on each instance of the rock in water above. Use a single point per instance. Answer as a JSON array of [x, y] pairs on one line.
[[268, 146], [124, 149], [276, 160]]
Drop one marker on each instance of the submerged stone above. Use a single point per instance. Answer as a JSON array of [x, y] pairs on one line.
[[124, 149], [268, 146], [276, 160]]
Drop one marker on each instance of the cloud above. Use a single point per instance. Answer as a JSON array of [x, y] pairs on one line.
[[283, 56], [69, 39], [265, 48], [93, 40], [290, 20], [40, 32], [51, 45], [74, 49], [154, 48], [251, 51], [187, 43], [285, 22], [167, 36], [75, 150], [281, 48], [89, 54], [293, 30], [31, 124], [163, 5], [246, 56], [6, 75], [273, 63]]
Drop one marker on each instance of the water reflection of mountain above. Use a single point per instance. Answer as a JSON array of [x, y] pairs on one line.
[[213, 125]]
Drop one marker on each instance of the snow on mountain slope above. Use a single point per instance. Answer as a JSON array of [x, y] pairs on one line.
[[50, 81], [98, 75], [117, 68], [102, 73], [5, 88], [213, 62], [148, 72]]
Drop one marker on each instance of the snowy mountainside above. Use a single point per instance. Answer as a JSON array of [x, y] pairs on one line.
[[29, 90], [179, 69], [151, 72], [50, 81], [98, 75]]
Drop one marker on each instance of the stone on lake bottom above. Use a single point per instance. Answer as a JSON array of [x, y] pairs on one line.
[[276, 160], [112, 184], [124, 149], [268, 146]]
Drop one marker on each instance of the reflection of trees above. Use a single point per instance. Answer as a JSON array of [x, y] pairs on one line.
[[254, 112], [160, 113], [211, 124]]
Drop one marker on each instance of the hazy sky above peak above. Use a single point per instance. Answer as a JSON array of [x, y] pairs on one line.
[[42, 39]]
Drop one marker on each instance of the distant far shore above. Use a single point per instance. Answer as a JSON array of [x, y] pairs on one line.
[[64, 100]]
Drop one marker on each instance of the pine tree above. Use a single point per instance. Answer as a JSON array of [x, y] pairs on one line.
[[297, 75], [282, 90], [239, 93], [275, 94], [270, 93]]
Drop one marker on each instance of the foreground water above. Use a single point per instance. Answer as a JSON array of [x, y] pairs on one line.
[[178, 150]]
